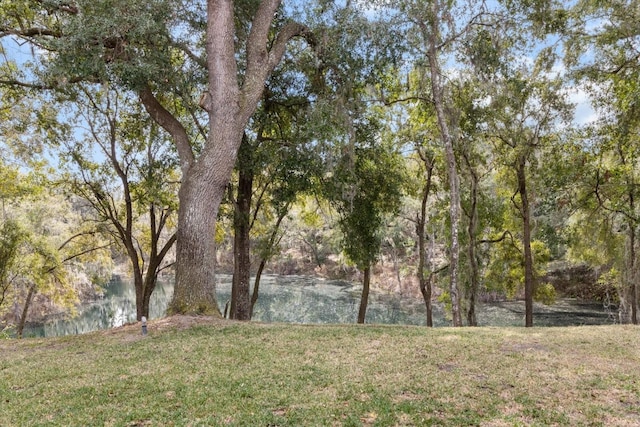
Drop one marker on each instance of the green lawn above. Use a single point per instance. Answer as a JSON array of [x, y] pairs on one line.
[[198, 371]]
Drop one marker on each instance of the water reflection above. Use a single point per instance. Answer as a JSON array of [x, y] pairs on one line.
[[302, 299]]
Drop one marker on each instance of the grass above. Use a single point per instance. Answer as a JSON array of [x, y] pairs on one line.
[[200, 372]]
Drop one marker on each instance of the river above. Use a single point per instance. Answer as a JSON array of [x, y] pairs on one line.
[[303, 299]]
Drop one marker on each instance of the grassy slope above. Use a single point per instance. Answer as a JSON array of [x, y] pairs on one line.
[[215, 373]]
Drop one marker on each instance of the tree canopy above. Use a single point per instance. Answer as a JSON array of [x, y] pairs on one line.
[[443, 127]]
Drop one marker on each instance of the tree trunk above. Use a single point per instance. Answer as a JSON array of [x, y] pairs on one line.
[[634, 287], [240, 294], [230, 107], [633, 267], [364, 299], [150, 282], [200, 196], [256, 285], [273, 241], [437, 87], [629, 296], [25, 310], [425, 290], [526, 242], [423, 280], [421, 223], [473, 261], [139, 286]]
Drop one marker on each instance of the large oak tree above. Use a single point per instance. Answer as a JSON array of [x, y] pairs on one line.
[[171, 54]]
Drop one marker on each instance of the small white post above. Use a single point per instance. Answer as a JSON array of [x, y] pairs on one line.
[[144, 325]]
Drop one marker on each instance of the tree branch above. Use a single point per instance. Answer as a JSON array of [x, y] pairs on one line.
[[69, 258], [169, 123], [257, 41], [499, 239], [195, 58], [23, 84], [29, 32], [70, 239], [260, 62]]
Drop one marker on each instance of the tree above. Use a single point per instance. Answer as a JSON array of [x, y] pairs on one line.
[[475, 160], [132, 192], [529, 107], [365, 187], [46, 254], [10, 237], [419, 131], [276, 162], [434, 30], [604, 57], [144, 47]]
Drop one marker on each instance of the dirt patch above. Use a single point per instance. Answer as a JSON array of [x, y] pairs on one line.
[[184, 322], [133, 331]]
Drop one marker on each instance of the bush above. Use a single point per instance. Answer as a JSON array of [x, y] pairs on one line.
[[545, 293]]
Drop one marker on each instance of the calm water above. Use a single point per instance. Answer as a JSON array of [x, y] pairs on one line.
[[302, 299]]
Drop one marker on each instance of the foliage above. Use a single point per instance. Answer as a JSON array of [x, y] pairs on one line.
[[49, 258], [125, 172], [366, 187], [350, 106], [545, 293], [505, 270], [45, 251]]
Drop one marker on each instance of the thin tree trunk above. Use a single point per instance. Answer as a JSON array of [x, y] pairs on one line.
[[25, 310], [437, 87], [634, 287], [364, 299], [273, 241], [256, 285], [240, 293], [526, 242], [421, 222], [425, 284], [473, 261], [630, 276], [633, 267], [425, 290]]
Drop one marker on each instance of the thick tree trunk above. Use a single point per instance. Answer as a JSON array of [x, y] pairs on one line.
[[529, 279], [138, 284], [230, 107], [204, 182], [150, 282], [200, 197], [364, 298], [240, 293]]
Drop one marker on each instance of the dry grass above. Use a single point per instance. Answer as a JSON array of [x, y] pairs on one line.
[[205, 371]]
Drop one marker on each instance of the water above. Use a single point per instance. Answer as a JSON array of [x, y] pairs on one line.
[[303, 299]]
